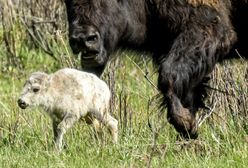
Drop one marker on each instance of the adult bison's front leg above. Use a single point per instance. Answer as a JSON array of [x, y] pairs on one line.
[[181, 117], [183, 71]]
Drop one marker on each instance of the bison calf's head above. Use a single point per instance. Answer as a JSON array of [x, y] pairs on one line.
[[32, 92], [94, 30]]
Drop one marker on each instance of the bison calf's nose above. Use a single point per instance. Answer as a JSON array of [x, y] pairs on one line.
[[22, 103]]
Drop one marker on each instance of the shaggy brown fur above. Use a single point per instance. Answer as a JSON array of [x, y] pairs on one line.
[[186, 38], [212, 3]]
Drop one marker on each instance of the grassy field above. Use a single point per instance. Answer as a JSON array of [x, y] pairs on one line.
[[26, 135], [145, 137]]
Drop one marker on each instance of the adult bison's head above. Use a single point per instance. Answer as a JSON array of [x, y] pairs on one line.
[[95, 27]]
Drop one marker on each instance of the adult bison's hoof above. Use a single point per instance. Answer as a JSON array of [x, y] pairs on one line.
[[188, 134], [184, 122]]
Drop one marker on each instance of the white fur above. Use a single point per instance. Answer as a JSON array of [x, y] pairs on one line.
[[67, 95]]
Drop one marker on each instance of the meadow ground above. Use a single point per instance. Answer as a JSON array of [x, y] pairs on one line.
[[33, 37], [145, 139]]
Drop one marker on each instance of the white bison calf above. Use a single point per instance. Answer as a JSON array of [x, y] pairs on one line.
[[68, 95]]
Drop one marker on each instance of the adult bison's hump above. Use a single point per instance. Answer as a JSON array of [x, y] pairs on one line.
[[240, 11]]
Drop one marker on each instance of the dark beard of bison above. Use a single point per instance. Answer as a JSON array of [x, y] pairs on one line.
[[94, 31], [86, 41]]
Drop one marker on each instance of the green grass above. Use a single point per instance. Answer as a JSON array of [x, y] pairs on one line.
[[26, 135]]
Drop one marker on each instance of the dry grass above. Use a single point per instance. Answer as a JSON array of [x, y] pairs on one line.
[[33, 36]]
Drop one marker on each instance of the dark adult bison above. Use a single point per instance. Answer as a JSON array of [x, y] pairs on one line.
[[186, 38]]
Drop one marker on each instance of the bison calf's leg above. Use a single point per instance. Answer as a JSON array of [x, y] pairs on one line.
[[55, 129], [110, 122], [98, 129], [61, 129], [96, 125]]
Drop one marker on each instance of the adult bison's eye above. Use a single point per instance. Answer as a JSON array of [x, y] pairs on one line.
[[92, 38], [36, 89]]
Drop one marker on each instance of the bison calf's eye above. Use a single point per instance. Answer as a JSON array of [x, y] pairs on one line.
[[35, 90]]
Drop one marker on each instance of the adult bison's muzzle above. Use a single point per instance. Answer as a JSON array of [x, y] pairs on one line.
[[86, 40]]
